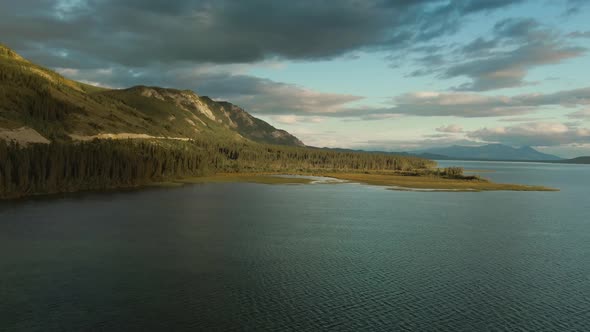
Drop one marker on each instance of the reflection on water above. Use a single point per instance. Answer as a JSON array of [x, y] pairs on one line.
[[346, 257]]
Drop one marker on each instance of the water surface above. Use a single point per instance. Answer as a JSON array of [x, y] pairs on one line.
[[343, 257]]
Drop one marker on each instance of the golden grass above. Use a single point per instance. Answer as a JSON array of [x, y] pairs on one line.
[[431, 182], [392, 180]]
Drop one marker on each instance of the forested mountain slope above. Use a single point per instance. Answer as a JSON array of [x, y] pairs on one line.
[[58, 135], [38, 105]]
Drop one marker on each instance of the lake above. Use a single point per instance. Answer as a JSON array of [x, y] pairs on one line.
[[341, 257]]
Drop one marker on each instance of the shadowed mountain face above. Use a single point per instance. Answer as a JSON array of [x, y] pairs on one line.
[[38, 105], [489, 152], [578, 160]]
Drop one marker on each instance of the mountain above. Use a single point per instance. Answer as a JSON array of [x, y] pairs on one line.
[[125, 138], [488, 152], [38, 105], [422, 155], [578, 160]]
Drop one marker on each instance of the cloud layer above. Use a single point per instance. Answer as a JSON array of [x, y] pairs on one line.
[[503, 60], [210, 46], [132, 32]]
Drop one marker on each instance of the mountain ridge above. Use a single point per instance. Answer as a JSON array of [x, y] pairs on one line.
[[34, 99], [577, 160], [438, 156], [489, 152]]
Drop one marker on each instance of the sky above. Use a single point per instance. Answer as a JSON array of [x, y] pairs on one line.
[[364, 74]]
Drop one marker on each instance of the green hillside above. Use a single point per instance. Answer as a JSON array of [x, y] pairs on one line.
[[42, 101]]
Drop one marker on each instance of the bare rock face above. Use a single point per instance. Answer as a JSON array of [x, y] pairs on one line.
[[201, 108], [151, 93], [251, 127]]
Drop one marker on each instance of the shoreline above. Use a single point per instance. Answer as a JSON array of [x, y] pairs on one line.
[[389, 180], [433, 183]]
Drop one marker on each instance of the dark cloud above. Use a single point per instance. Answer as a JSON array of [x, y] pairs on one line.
[[579, 34], [515, 46], [479, 46], [483, 5], [138, 32], [533, 45], [142, 37], [509, 69], [574, 6], [517, 28]]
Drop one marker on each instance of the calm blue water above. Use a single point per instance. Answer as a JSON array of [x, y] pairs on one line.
[[340, 257]]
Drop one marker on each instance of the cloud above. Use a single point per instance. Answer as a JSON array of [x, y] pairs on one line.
[[295, 119], [450, 129], [553, 137], [471, 105], [262, 96], [579, 34], [133, 32], [574, 6], [221, 82], [515, 46], [267, 97], [529, 45], [524, 119], [581, 114], [208, 46], [533, 134]]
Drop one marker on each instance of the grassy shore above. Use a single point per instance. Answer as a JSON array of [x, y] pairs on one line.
[[402, 182], [392, 180]]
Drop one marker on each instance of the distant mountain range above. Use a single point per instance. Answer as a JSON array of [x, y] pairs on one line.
[[486, 152], [578, 160], [490, 152]]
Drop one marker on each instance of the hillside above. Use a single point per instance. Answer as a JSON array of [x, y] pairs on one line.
[[58, 135], [38, 105], [487, 152]]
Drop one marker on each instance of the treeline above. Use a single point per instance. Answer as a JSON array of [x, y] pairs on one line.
[[103, 164], [56, 168]]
